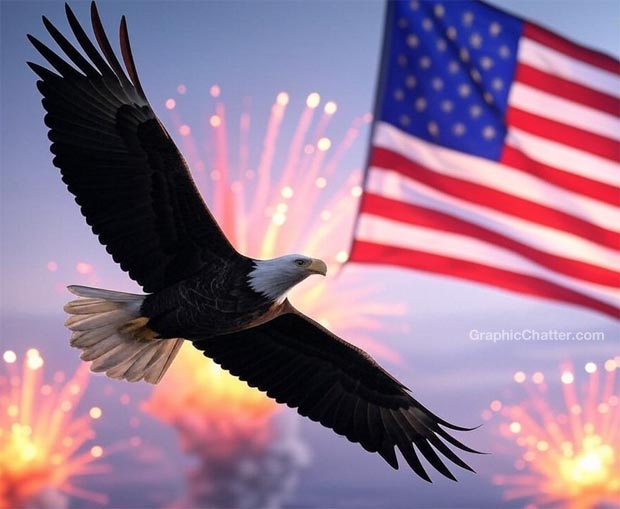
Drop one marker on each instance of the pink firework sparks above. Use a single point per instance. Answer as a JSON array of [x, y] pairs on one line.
[[43, 446], [568, 457], [295, 199]]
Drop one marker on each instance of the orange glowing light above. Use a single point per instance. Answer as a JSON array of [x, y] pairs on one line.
[[569, 458], [41, 443], [195, 383]]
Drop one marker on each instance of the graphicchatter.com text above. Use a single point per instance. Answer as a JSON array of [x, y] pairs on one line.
[[525, 335]]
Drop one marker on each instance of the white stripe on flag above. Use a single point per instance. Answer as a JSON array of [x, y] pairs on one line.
[[395, 186], [385, 231], [564, 157], [562, 110], [551, 61], [495, 176]]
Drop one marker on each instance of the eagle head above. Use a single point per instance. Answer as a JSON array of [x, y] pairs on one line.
[[274, 278]]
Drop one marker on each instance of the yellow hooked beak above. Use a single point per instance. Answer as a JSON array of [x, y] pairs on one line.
[[317, 267]]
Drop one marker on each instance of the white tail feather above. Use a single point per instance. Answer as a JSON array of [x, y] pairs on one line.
[[109, 330]]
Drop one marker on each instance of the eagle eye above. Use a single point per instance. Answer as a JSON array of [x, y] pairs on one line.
[[300, 262]]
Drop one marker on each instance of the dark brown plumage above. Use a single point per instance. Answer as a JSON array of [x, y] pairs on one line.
[[136, 192]]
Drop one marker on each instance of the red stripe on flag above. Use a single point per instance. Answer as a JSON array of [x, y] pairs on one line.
[[422, 216], [567, 180], [563, 133], [494, 199], [368, 252], [558, 43], [566, 89]]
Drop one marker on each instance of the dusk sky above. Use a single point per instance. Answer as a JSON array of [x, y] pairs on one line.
[[253, 51]]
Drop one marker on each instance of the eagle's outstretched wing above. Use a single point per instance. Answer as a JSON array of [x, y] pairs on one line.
[[300, 363], [127, 175]]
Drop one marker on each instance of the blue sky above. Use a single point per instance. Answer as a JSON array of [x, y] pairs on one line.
[[257, 49]]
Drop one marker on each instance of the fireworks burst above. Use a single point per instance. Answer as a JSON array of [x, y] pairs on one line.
[[247, 457], [567, 459], [43, 447]]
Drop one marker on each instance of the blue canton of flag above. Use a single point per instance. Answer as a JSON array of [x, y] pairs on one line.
[[447, 74]]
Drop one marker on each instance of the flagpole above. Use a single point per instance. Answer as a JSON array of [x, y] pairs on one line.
[[379, 89]]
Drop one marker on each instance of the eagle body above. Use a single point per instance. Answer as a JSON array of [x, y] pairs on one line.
[[136, 192], [218, 300]]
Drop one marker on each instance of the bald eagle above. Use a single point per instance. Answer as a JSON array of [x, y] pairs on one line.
[[135, 190]]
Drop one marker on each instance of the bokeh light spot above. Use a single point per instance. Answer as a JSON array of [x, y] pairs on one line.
[[313, 100], [342, 256], [279, 219], [33, 359], [324, 144], [9, 356], [330, 108], [567, 377], [590, 367], [95, 412], [96, 451], [170, 104], [215, 121], [356, 191], [215, 91], [282, 99], [84, 268]]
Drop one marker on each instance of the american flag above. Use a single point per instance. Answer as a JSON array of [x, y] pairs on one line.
[[494, 155]]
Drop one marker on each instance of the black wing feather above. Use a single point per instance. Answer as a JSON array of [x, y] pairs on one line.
[[127, 175], [298, 362]]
